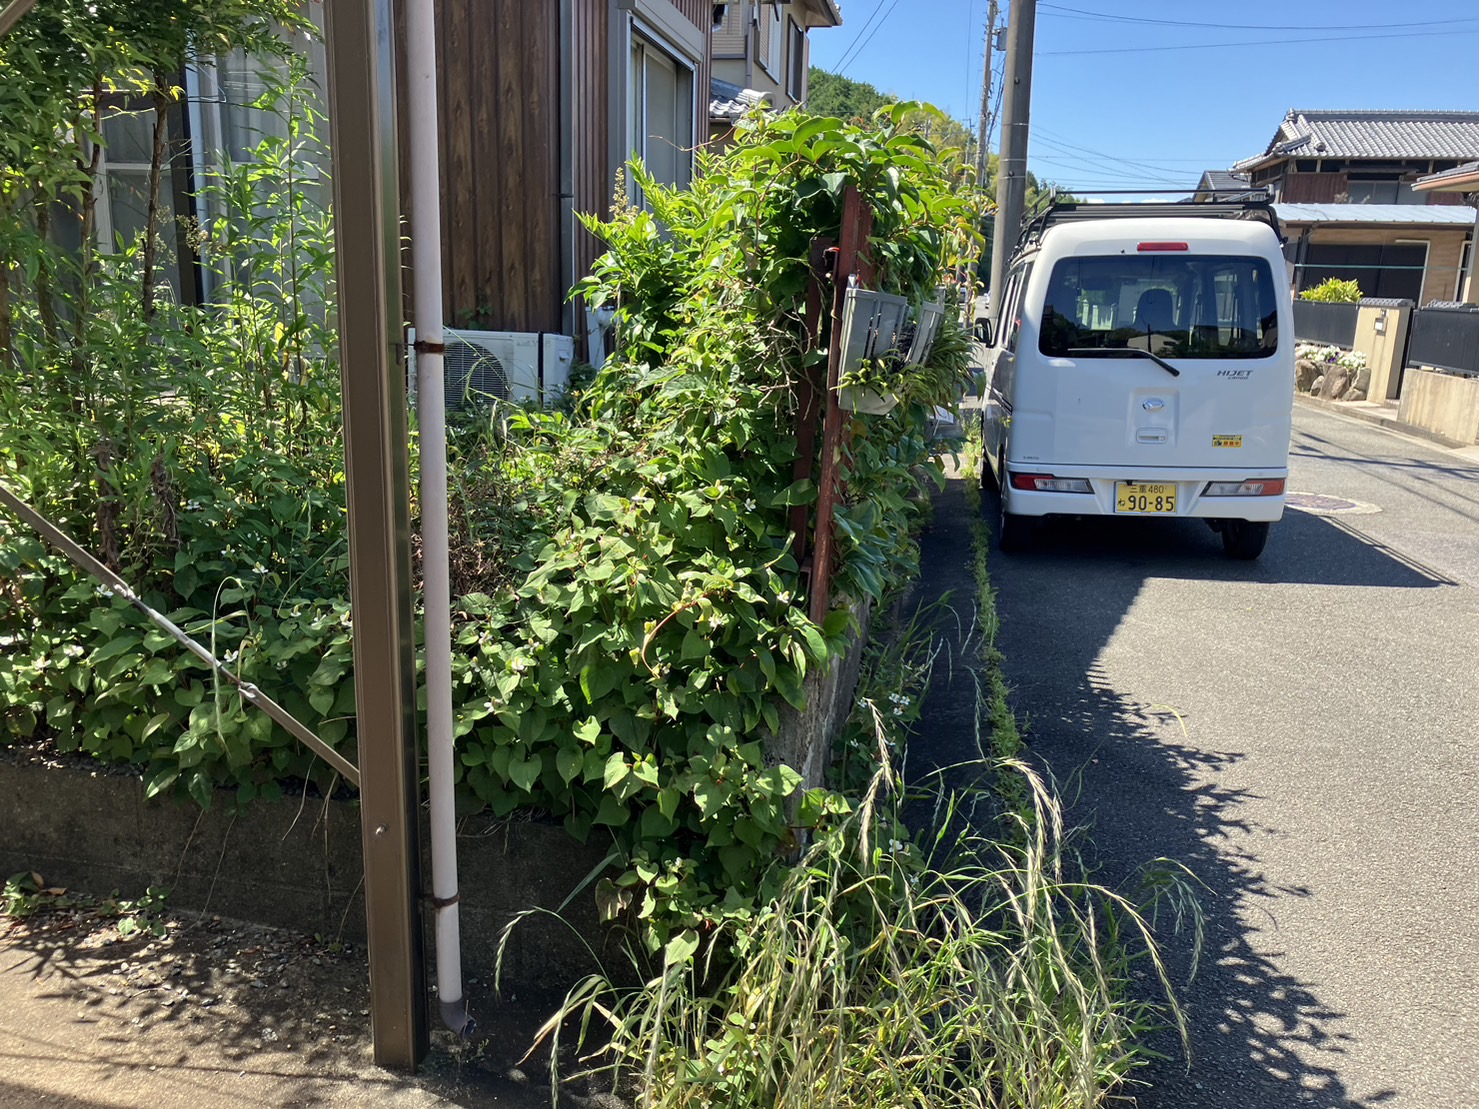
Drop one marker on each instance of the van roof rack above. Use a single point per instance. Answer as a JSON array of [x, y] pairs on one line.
[[1056, 207]]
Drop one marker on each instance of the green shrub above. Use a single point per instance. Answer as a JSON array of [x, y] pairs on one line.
[[1333, 291]]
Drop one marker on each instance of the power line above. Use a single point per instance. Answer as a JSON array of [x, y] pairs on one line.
[[1254, 42], [869, 39], [1069, 147], [1081, 13]]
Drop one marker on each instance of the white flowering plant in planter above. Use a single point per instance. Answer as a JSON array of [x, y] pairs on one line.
[[1325, 353]]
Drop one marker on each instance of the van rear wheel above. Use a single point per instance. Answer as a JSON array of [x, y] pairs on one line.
[[1244, 539]]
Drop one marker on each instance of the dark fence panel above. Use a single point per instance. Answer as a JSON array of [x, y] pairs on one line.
[[1318, 322], [1446, 338]]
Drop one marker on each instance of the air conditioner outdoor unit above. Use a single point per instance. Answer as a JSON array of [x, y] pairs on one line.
[[484, 367]]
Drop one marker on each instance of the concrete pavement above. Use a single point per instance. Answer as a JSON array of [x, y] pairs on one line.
[[1303, 733]]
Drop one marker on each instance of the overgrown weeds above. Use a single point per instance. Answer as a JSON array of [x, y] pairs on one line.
[[957, 965], [27, 894]]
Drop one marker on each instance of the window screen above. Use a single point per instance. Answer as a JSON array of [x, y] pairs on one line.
[[1175, 305], [662, 113]]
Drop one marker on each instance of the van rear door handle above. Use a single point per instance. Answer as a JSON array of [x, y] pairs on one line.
[[1151, 435]]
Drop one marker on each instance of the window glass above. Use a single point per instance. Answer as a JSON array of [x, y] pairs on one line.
[[1011, 320], [662, 113], [797, 72], [1175, 305]]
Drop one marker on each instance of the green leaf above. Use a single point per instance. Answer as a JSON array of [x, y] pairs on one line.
[[525, 772], [157, 672], [322, 700], [798, 492], [568, 761], [588, 730], [616, 770], [155, 723], [681, 948], [612, 812]]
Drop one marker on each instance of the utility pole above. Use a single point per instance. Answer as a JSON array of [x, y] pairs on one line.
[[1011, 168], [983, 137]]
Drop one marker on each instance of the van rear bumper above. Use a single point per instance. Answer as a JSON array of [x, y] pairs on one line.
[[1191, 497]]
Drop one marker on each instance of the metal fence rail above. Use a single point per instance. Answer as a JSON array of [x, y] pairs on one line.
[[1319, 322], [1446, 339]]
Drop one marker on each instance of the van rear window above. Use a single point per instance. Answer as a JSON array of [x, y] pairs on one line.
[[1174, 305]]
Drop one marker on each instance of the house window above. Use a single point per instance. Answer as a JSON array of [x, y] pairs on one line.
[[796, 71], [225, 117], [772, 41], [123, 189], [661, 112]]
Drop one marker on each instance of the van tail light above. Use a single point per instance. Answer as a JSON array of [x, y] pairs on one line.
[[1151, 248], [1047, 483], [1258, 487]]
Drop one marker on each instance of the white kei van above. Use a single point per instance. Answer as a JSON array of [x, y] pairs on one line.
[[1143, 365]]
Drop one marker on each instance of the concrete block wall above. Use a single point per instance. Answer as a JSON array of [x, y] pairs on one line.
[[1445, 403]]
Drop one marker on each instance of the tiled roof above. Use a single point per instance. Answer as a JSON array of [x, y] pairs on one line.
[[728, 102], [1222, 180], [1450, 179], [1372, 134], [1431, 215]]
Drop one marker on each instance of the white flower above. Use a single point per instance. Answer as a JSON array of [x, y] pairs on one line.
[[259, 569], [750, 504], [716, 621], [784, 596]]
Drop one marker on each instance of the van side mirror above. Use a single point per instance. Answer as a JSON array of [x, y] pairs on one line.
[[985, 333]]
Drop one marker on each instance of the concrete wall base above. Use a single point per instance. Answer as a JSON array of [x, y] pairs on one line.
[[1447, 404]]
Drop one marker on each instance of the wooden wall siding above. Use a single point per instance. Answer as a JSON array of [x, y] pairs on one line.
[[498, 90], [595, 177], [1313, 188]]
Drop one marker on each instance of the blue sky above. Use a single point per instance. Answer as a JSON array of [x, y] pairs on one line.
[[1111, 107]]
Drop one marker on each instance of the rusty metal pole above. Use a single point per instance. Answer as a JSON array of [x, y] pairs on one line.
[[367, 247], [852, 259]]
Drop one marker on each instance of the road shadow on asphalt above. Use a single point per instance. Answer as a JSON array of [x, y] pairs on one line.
[[1303, 549], [1259, 1037]]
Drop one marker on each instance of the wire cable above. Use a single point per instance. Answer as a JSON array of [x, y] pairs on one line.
[[1254, 42], [869, 39], [1105, 17]]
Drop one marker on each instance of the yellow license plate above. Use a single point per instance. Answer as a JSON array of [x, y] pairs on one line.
[[1144, 498]]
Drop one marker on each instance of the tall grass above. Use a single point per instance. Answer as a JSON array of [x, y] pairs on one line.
[[890, 971]]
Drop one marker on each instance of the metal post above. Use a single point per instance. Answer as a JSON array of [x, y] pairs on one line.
[[1011, 168], [367, 218], [852, 258], [983, 140], [12, 13]]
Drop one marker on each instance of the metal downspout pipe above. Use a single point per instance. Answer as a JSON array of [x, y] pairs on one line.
[[426, 271]]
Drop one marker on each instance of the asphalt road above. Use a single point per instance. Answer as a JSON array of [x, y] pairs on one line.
[[1303, 733]]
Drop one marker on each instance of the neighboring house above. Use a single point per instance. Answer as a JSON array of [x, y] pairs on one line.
[[1344, 184], [1463, 180], [762, 54], [1217, 184]]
